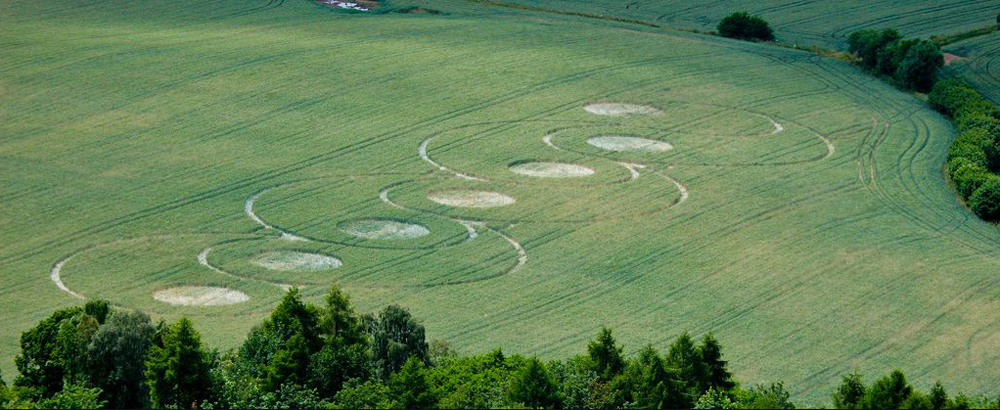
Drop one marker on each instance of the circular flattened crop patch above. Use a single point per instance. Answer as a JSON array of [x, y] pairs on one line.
[[551, 170], [470, 199], [383, 229], [296, 261], [622, 143], [616, 109], [200, 296]]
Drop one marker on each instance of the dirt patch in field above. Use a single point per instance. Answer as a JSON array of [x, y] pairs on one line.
[[617, 109], [949, 57], [625, 143], [470, 199], [296, 261], [551, 170], [359, 5], [200, 296], [382, 229]]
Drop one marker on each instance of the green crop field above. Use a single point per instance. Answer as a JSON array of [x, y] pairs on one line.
[[515, 178], [980, 63], [824, 23]]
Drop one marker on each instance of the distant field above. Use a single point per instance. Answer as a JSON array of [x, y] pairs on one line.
[[825, 23], [219, 151], [981, 63]]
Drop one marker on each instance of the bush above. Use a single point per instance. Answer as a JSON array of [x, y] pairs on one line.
[[968, 178], [978, 120], [919, 67], [948, 96], [743, 26], [976, 108], [985, 202], [970, 151]]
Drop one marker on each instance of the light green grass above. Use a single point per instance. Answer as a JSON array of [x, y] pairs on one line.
[[981, 63], [819, 22], [133, 133]]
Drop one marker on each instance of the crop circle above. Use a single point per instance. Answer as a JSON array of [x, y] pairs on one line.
[[463, 198], [296, 261], [551, 170], [383, 229], [200, 296], [625, 143]]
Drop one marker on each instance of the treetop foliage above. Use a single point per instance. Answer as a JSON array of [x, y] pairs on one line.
[[353, 361], [743, 26]]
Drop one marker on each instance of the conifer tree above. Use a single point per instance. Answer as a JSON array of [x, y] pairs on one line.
[[178, 373]]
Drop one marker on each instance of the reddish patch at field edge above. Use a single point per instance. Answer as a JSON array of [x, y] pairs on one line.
[[949, 57]]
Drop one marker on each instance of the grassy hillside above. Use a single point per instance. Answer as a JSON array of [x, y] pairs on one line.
[[825, 23], [979, 65], [801, 214]]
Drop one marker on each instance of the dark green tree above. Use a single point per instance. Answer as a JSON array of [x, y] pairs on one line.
[[39, 365], [606, 355], [410, 388], [892, 54], [532, 386], [743, 26], [99, 309], [338, 320], [292, 316], [178, 373], [919, 67], [938, 396], [72, 341], [888, 392], [335, 364], [117, 358], [717, 376], [647, 383], [686, 359], [867, 44], [395, 337], [917, 401], [850, 393], [985, 201], [290, 364]]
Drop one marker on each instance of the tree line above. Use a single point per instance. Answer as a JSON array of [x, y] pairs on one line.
[[910, 63], [974, 155], [307, 356]]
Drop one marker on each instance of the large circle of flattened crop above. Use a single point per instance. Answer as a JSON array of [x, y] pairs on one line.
[[200, 296], [621, 143], [383, 229], [296, 261], [551, 170], [464, 198], [618, 109]]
